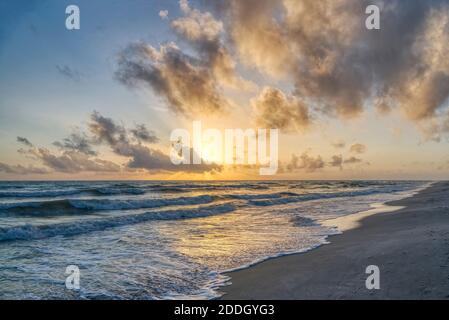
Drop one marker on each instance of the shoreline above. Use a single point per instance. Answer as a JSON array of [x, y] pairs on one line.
[[304, 275], [354, 220]]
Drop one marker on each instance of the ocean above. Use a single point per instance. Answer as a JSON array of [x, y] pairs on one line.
[[164, 240]]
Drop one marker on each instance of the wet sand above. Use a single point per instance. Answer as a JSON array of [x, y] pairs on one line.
[[410, 246]]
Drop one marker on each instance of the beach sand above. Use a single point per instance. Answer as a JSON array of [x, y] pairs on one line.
[[410, 246]]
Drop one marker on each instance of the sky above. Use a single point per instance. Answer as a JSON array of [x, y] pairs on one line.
[[101, 102]]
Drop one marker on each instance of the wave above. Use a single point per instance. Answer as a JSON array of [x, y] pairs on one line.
[[61, 193], [39, 194], [124, 189], [317, 196], [114, 191], [261, 196], [74, 206], [189, 187], [168, 189], [35, 205], [30, 232], [100, 204]]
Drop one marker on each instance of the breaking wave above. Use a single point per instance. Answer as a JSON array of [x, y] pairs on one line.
[[61, 193], [313, 196], [102, 204], [29, 232]]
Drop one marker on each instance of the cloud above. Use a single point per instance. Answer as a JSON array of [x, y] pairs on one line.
[[203, 31], [72, 161], [196, 25], [186, 83], [76, 142], [422, 86], [339, 144], [190, 83], [19, 169], [105, 130], [274, 109], [258, 37], [305, 162], [142, 157], [77, 153], [141, 133], [310, 43], [163, 14], [24, 141], [76, 156], [69, 72], [353, 160], [337, 161], [358, 148], [337, 65], [309, 163]]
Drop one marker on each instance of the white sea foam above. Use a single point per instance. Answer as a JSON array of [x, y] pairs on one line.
[[29, 232]]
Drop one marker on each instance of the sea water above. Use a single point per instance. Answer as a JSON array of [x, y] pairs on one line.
[[163, 240]]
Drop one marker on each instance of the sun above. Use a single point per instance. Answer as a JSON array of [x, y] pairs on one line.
[[210, 153]]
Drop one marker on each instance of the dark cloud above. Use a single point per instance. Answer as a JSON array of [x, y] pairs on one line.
[[274, 109], [337, 161], [339, 66], [106, 130], [190, 83], [141, 133], [203, 32], [76, 142], [335, 64], [140, 156], [77, 153], [72, 161], [19, 169], [357, 148], [186, 83], [24, 141]]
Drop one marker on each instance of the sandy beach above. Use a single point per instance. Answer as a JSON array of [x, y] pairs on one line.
[[410, 246]]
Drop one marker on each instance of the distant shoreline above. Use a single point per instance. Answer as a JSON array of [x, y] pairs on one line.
[[410, 246]]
